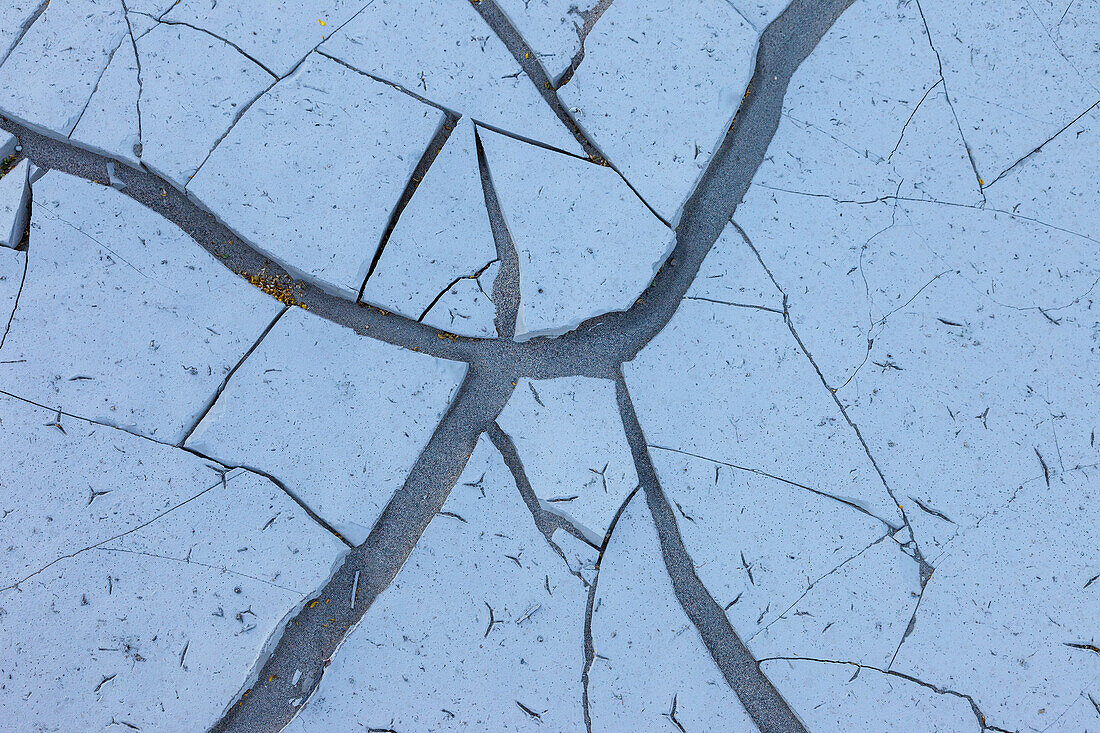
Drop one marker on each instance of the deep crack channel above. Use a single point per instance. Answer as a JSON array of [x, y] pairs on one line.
[[597, 349]]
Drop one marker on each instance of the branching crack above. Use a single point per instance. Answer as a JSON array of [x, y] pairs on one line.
[[473, 276], [925, 567]]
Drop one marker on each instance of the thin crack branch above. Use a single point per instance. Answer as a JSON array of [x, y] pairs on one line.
[[393, 85], [102, 424], [225, 478], [925, 567], [939, 690], [735, 305], [431, 152], [1085, 78], [295, 498], [901, 136], [229, 375], [95, 87], [758, 472], [589, 643], [214, 463], [908, 627], [895, 198], [141, 88], [236, 118], [1043, 144], [185, 561], [528, 61], [474, 276], [813, 583], [950, 104]]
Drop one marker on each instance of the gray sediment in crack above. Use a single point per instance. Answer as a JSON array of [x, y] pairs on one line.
[[528, 60], [546, 522], [761, 700], [506, 283], [312, 636], [596, 349]]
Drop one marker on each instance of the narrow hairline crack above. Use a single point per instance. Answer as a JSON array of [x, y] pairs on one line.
[[214, 463], [813, 583], [24, 29], [925, 567], [95, 87], [230, 571], [589, 610], [205, 31], [939, 690], [950, 104], [224, 479], [229, 375], [18, 295], [789, 482]]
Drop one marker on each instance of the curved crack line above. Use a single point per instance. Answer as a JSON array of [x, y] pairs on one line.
[[590, 607], [789, 482]]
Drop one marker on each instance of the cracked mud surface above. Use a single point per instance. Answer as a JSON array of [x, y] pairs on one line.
[[524, 365]]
